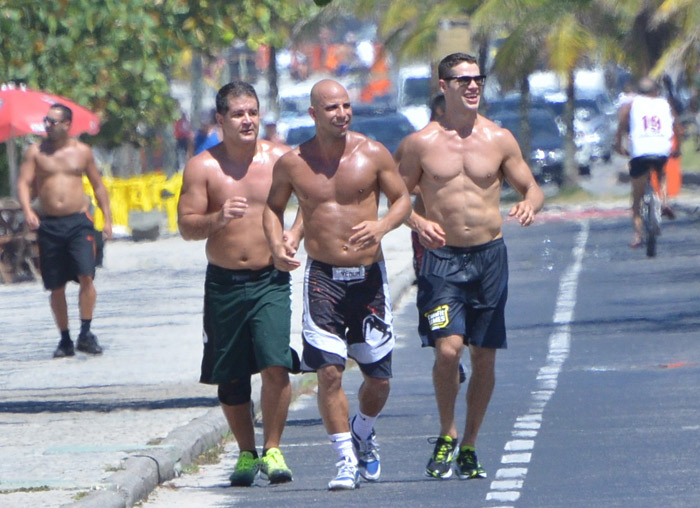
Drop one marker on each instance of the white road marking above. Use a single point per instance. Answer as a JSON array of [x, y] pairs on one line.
[[510, 480]]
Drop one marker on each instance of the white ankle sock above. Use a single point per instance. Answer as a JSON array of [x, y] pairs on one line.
[[342, 444], [362, 425]]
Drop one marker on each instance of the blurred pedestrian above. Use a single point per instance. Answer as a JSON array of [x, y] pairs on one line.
[[270, 132], [66, 234], [247, 307], [649, 124], [207, 135], [184, 139]]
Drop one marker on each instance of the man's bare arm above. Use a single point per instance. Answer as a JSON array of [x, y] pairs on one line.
[[294, 235], [430, 233], [194, 220], [100, 191], [518, 174], [370, 233], [281, 245], [25, 183], [623, 127], [678, 133]]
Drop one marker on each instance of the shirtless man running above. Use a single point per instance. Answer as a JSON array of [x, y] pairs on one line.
[[337, 177], [247, 307], [66, 234], [460, 162]]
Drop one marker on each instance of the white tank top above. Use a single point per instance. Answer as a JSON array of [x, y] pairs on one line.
[[651, 126]]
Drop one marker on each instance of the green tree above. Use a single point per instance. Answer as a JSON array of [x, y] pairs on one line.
[[273, 23], [115, 56], [658, 35], [684, 50], [561, 35]]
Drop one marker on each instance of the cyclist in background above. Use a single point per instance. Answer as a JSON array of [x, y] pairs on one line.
[[650, 123]]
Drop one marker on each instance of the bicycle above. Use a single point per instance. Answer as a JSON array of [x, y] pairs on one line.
[[650, 210]]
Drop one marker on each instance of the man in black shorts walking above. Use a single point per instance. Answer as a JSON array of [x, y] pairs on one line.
[[66, 235]]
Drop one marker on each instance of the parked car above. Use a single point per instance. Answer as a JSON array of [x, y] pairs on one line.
[[594, 122], [413, 93], [546, 157], [384, 125], [583, 135]]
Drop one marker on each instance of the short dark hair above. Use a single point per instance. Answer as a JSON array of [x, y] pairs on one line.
[[450, 61], [234, 89], [66, 112], [438, 103]]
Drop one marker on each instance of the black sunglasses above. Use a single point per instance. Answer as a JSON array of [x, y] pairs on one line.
[[465, 80], [51, 121]]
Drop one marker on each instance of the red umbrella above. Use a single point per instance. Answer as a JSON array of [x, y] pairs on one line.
[[22, 112]]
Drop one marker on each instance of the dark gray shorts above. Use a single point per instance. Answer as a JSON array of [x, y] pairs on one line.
[[463, 291]]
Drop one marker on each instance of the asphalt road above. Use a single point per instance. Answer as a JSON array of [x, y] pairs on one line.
[[596, 402]]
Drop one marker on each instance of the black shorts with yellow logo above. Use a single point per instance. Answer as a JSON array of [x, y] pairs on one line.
[[463, 291]]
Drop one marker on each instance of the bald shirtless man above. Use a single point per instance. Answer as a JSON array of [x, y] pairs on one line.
[[460, 162], [66, 234], [337, 177], [247, 308]]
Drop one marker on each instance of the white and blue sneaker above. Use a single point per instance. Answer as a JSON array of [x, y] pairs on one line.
[[347, 477], [367, 452]]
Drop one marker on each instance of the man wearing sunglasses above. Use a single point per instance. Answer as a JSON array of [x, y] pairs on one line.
[[459, 162], [66, 234]]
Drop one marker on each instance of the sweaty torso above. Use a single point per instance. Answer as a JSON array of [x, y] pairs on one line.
[[461, 181], [59, 178], [241, 244], [334, 198]]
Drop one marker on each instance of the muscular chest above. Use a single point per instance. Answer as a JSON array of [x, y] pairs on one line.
[[351, 182], [458, 160], [254, 185]]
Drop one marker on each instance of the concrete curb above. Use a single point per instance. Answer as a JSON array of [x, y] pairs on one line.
[[144, 471]]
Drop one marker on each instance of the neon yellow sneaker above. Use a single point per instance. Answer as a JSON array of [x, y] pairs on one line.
[[440, 463], [246, 471], [467, 465], [272, 466]]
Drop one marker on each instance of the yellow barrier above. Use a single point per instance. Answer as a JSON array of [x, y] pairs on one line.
[[144, 193]]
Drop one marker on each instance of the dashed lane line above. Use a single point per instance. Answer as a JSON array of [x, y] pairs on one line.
[[506, 487]]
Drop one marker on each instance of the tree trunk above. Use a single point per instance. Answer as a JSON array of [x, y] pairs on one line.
[[570, 165], [272, 78], [525, 131], [196, 81]]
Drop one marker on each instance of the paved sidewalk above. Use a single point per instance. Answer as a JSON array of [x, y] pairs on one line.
[[104, 431]]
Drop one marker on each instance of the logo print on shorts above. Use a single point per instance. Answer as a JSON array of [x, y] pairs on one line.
[[439, 317]]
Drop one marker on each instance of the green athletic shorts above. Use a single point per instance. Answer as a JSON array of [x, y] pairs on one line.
[[247, 317]]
